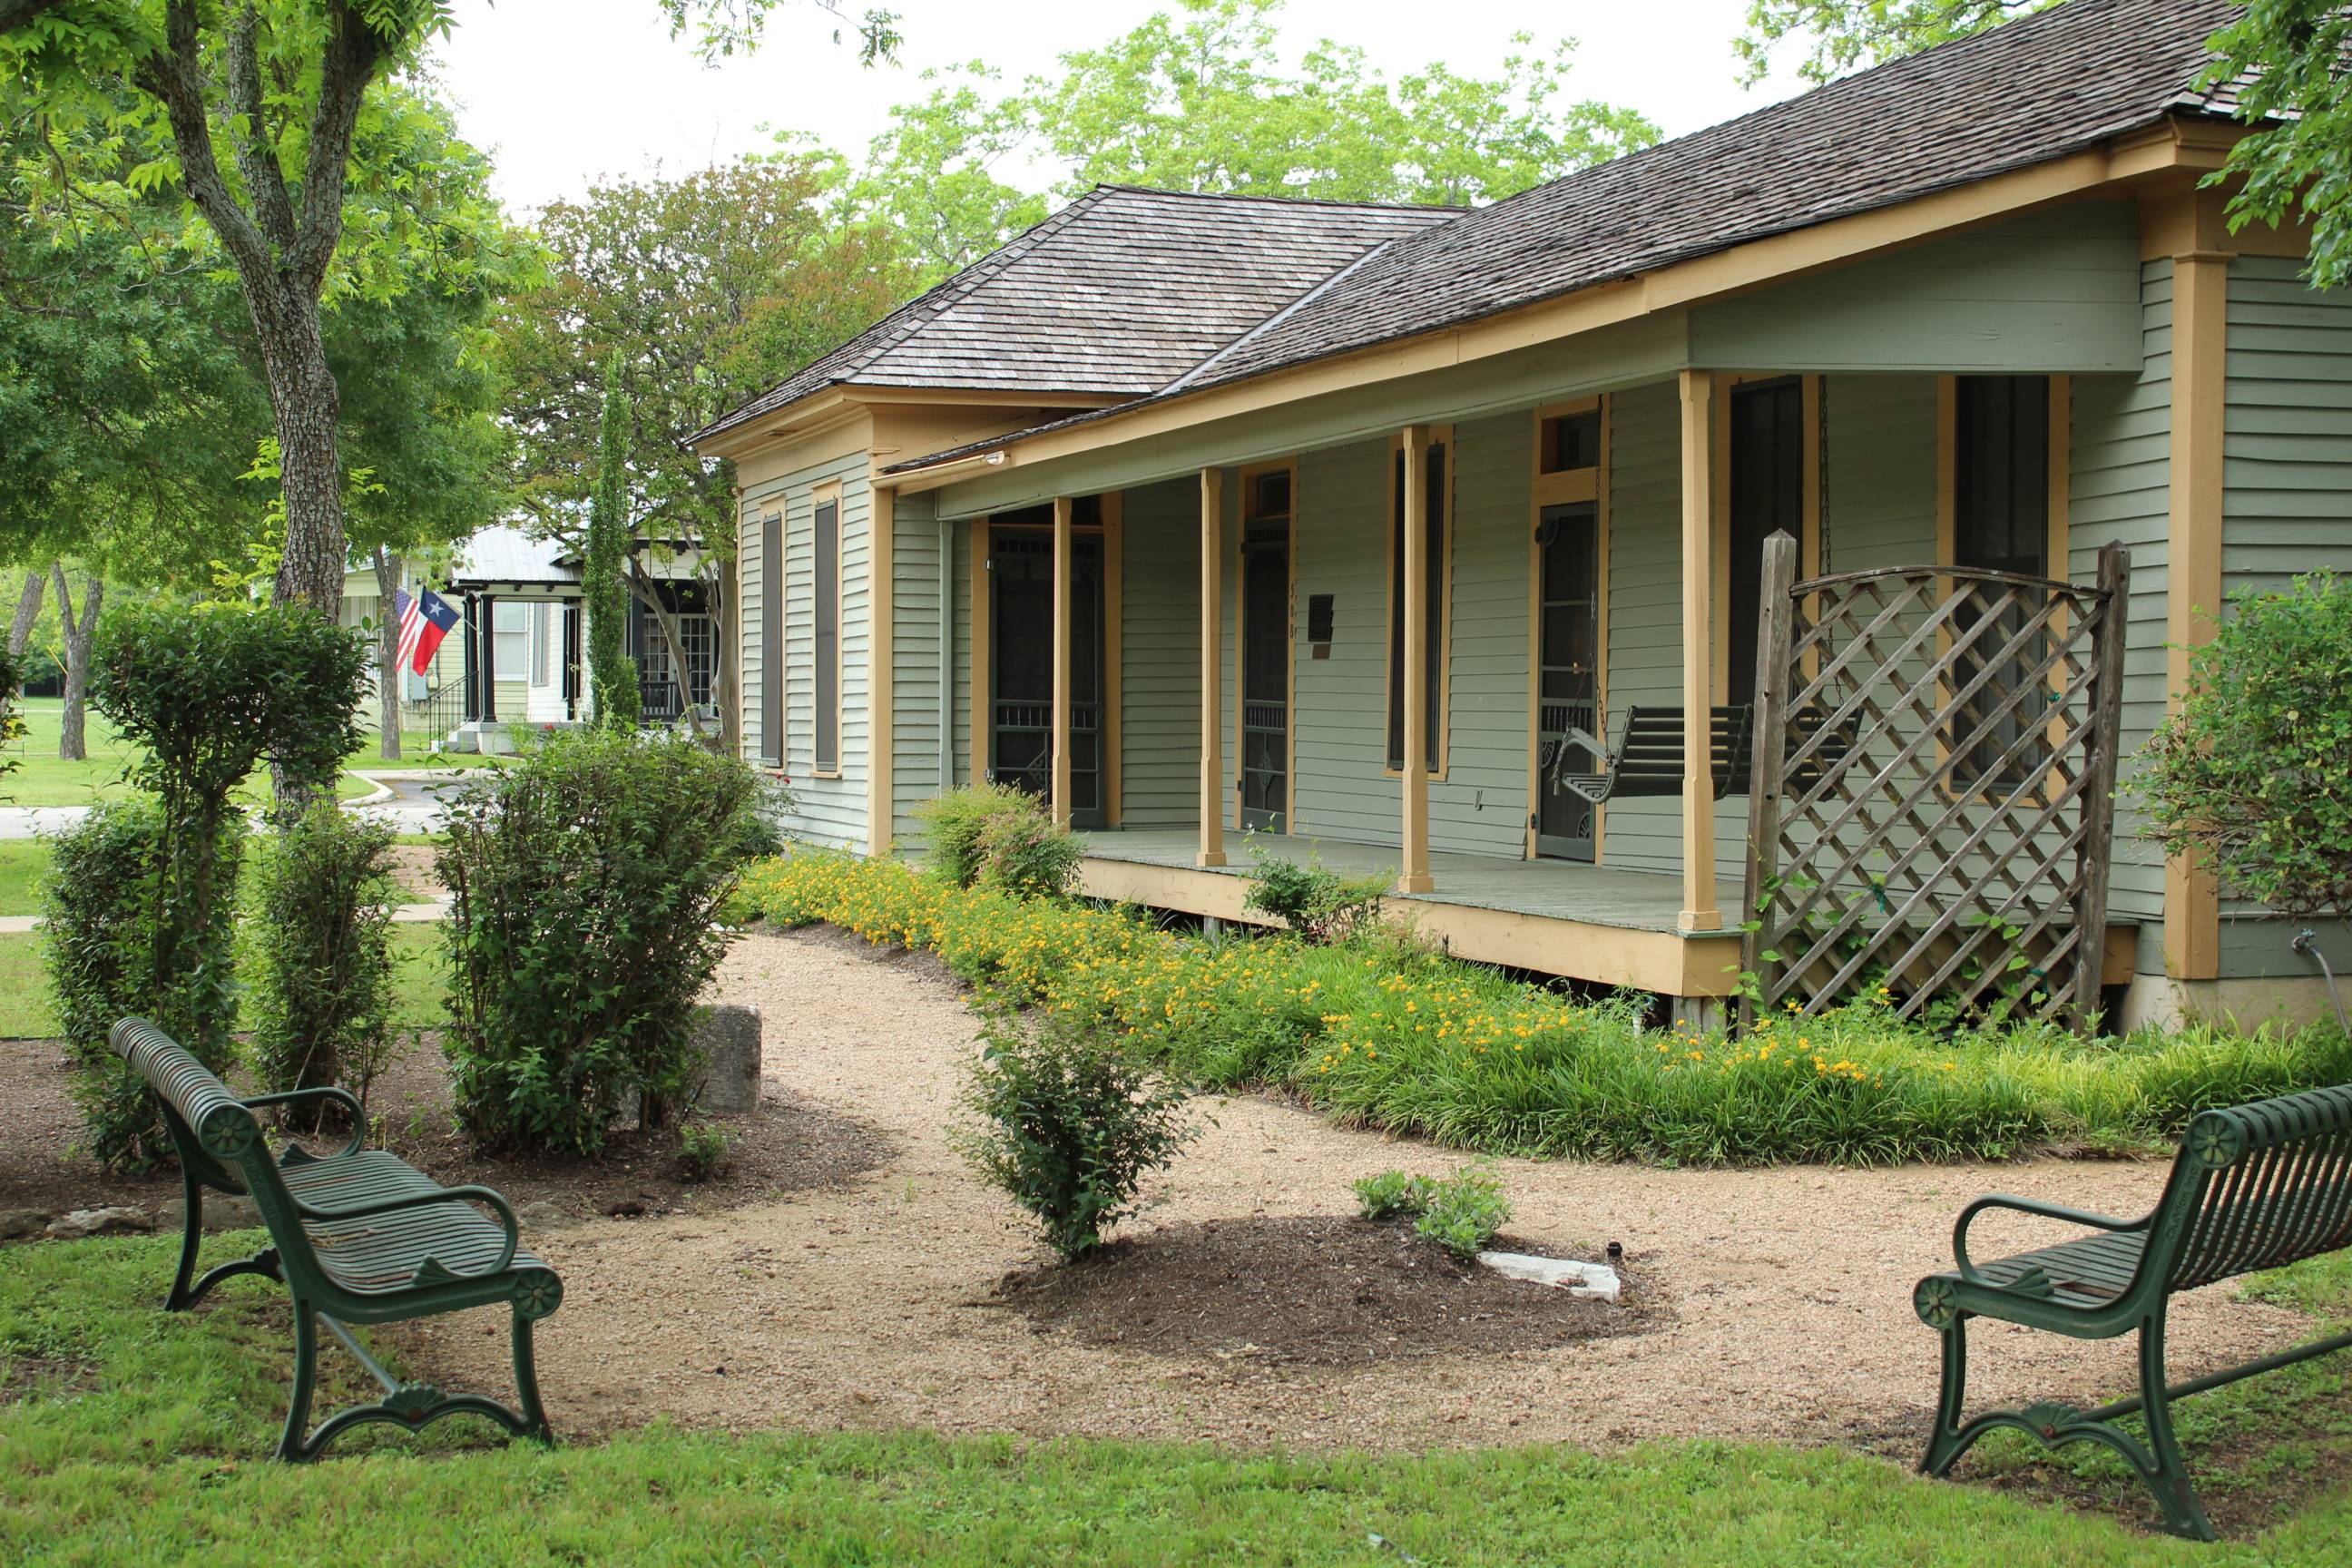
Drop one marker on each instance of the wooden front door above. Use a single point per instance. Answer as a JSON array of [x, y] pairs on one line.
[[1020, 666], [1567, 665]]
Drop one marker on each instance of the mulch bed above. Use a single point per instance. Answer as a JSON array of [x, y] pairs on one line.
[[784, 1145], [1317, 1290]]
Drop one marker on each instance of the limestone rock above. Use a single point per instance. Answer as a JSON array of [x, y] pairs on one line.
[[16, 1225], [1594, 1280], [122, 1221], [729, 1036]]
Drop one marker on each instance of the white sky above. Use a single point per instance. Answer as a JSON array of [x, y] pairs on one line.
[[562, 91]]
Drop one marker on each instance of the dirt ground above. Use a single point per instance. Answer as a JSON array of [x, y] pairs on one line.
[[1771, 1303]]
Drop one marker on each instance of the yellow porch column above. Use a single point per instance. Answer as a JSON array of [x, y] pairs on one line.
[[1699, 910], [1212, 850], [880, 683], [1414, 875], [1062, 589]]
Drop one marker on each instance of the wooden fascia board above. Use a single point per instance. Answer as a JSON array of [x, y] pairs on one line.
[[828, 406], [1758, 264]]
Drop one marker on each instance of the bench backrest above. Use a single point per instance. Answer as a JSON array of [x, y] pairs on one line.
[[2257, 1186], [218, 1137]]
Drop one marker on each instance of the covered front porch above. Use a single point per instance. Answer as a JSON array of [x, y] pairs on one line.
[[1596, 923]]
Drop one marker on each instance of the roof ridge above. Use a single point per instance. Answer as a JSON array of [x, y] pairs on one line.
[[1280, 200], [1270, 322]]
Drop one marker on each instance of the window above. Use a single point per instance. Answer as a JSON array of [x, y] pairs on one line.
[[543, 639], [771, 639], [1433, 544], [2001, 522], [511, 638], [828, 635], [694, 634], [1572, 441], [1766, 496]]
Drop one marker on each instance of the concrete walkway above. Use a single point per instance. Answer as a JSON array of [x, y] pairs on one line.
[[406, 798], [401, 914]]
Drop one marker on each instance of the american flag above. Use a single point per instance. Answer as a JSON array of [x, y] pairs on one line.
[[422, 625]]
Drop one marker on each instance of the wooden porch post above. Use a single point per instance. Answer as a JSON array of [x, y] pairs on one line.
[[1212, 850], [881, 599], [1062, 589], [2200, 288], [1414, 875], [1698, 911]]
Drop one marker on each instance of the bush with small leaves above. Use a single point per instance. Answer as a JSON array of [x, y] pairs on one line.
[[1067, 1124], [1463, 1212], [319, 953], [1393, 1195], [1028, 855], [955, 820], [1312, 900]]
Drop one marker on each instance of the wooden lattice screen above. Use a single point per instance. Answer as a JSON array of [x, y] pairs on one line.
[[1935, 815]]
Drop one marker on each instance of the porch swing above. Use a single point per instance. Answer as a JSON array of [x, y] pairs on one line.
[[1648, 757]]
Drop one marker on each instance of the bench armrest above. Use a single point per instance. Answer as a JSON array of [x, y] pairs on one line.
[[484, 1196], [330, 1091], [2039, 1209], [1576, 784]]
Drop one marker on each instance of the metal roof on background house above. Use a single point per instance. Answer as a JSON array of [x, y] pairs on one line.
[[504, 553], [2024, 93], [1120, 293]]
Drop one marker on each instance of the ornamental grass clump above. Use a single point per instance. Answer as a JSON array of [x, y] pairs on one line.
[[1068, 1122], [586, 882]]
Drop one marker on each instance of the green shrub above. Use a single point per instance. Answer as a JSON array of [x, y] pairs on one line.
[[1314, 900], [703, 1150], [586, 882], [954, 821], [319, 949], [1462, 1213], [2248, 776], [1393, 1195], [95, 938], [1028, 855], [1067, 1123]]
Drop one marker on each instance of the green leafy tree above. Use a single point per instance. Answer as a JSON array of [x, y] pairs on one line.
[[2288, 58], [1200, 99], [699, 293], [612, 673], [251, 110], [1841, 35]]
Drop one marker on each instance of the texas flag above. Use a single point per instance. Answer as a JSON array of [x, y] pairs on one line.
[[422, 625]]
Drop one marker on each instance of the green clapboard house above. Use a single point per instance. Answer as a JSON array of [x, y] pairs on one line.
[[1974, 309]]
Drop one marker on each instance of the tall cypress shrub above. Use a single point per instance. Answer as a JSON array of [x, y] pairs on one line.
[[612, 673]]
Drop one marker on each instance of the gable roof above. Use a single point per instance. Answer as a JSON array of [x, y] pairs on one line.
[[2027, 93], [1119, 293]]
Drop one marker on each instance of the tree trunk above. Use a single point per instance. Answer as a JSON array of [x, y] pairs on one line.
[[389, 676], [303, 392], [724, 690], [642, 585], [20, 630], [72, 742]]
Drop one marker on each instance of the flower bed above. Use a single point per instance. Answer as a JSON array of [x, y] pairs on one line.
[[1379, 1032]]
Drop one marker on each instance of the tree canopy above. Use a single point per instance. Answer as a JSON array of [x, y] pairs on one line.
[[1841, 35], [1200, 99]]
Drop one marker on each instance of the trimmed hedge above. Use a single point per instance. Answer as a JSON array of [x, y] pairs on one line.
[[1381, 1034]]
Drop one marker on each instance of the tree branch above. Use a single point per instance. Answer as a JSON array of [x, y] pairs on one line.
[[353, 54], [173, 79], [256, 155]]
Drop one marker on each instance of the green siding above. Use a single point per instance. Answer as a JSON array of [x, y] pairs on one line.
[[1480, 807], [1878, 476], [1644, 588], [916, 668], [2288, 429], [2053, 290], [1159, 668], [2120, 469], [1340, 731]]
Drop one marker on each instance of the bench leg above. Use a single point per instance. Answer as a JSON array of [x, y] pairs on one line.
[[411, 1406], [1945, 1445], [186, 1290], [2167, 1476], [526, 1368], [290, 1444]]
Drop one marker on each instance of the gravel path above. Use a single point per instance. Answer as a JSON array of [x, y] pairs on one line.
[[1776, 1302]]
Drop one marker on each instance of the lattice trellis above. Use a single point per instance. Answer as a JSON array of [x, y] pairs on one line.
[[1937, 816]]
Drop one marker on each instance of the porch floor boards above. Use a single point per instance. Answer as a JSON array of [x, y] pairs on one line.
[[1552, 889]]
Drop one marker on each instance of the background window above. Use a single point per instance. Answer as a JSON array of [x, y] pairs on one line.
[[828, 637], [2001, 522], [1767, 497], [511, 630]]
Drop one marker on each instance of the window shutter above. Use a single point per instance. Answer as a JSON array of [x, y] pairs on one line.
[[771, 639]]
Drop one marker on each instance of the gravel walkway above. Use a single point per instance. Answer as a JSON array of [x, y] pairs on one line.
[[1776, 1302]]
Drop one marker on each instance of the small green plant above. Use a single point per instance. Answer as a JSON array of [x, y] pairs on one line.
[[320, 953], [1028, 855], [1463, 1212], [1067, 1124], [1393, 1195], [1312, 900], [703, 1149], [101, 964]]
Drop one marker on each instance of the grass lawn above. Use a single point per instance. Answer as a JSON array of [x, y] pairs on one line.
[[22, 862], [128, 1435], [26, 1012], [42, 778]]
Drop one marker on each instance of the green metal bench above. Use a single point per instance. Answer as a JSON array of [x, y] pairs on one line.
[[2256, 1187], [358, 1236]]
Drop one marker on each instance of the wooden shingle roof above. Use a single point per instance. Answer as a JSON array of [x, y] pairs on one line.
[[1120, 293], [2032, 90]]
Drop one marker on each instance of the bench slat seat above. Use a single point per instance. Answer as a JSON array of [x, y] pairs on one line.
[[357, 1236], [2254, 1186]]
